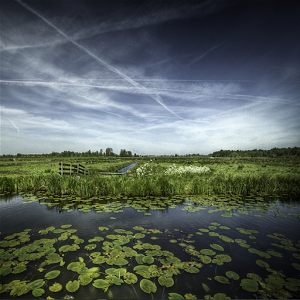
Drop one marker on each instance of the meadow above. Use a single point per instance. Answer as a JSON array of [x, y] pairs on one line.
[[161, 176]]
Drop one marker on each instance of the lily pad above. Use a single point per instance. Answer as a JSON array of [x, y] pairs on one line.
[[223, 257], [66, 226], [64, 248], [296, 266], [36, 284], [52, 274], [207, 252], [100, 284], [130, 278], [262, 263], [139, 258], [85, 279], [19, 269], [221, 279], [90, 246], [233, 275], [56, 287], [38, 292], [72, 286], [175, 296], [249, 285], [165, 281], [147, 286], [217, 247], [103, 228], [148, 259]]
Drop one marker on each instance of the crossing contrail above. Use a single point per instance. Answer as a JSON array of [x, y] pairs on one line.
[[204, 54], [157, 98], [13, 124]]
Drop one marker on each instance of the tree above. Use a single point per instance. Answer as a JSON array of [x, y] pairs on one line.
[[109, 152]]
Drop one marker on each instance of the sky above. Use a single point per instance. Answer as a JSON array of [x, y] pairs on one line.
[[153, 77]]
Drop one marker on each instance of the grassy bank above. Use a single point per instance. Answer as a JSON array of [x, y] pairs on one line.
[[169, 176]]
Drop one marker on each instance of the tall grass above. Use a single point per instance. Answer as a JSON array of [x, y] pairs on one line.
[[155, 185]]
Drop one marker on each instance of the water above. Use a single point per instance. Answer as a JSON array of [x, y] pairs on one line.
[[124, 170], [174, 223]]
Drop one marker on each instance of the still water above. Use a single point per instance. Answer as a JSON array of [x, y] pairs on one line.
[[194, 242]]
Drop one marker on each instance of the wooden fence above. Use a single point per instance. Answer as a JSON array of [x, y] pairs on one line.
[[69, 169]]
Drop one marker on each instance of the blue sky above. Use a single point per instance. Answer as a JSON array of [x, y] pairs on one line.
[[152, 77]]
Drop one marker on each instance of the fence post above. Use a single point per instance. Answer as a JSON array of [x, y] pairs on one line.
[[70, 169], [62, 168], [77, 168]]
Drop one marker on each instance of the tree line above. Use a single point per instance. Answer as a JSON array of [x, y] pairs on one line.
[[274, 152], [108, 153]]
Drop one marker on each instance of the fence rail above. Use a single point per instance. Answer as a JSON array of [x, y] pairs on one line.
[[69, 169]]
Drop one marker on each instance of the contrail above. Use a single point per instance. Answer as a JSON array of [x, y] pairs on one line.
[[204, 54], [13, 124], [101, 61]]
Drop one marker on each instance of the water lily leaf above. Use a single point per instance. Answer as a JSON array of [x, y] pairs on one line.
[[221, 279], [103, 228], [78, 241], [233, 275], [206, 288], [120, 262], [249, 285], [173, 260], [139, 235], [76, 266], [36, 284], [84, 279], [262, 263], [296, 255], [19, 269], [207, 252], [191, 269], [56, 287], [38, 292], [53, 258], [64, 248], [142, 270], [175, 296], [165, 281], [138, 228], [130, 278], [52, 274], [148, 259], [65, 226], [147, 286], [296, 266], [223, 257], [111, 271], [221, 296], [139, 258], [100, 284], [58, 231], [224, 227], [120, 230], [203, 230], [173, 241], [217, 247], [205, 259], [72, 286], [114, 280], [215, 224], [18, 288], [90, 246]]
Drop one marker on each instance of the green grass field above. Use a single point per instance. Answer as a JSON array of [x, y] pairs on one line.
[[164, 176]]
